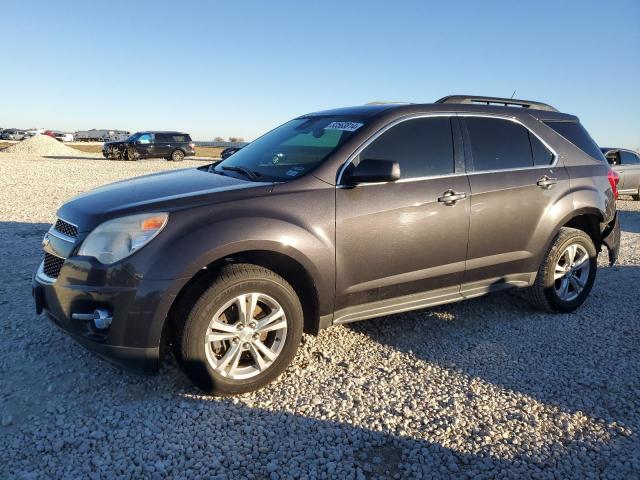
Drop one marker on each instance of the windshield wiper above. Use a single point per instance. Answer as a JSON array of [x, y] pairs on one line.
[[245, 171]]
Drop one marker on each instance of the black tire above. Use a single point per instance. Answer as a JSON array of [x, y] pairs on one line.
[[130, 155], [542, 293], [234, 280], [636, 197], [177, 155]]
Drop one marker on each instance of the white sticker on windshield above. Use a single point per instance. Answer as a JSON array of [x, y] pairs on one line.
[[292, 173], [345, 126]]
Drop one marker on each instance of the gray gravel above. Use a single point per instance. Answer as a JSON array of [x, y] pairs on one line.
[[482, 389], [46, 146]]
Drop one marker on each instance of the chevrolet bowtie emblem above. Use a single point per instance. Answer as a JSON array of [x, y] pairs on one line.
[[45, 240]]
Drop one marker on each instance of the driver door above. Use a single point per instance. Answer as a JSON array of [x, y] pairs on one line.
[[145, 145], [399, 244]]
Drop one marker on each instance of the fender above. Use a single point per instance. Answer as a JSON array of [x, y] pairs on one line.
[[182, 252]]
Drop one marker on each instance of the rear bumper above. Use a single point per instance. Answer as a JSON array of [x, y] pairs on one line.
[[138, 308], [611, 238]]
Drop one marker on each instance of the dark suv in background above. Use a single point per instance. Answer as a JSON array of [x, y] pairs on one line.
[[333, 217], [626, 163], [169, 145]]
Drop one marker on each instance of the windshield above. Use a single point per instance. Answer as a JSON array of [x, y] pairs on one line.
[[133, 137], [292, 149]]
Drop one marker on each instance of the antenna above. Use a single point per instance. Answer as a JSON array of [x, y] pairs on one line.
[[513, 94]]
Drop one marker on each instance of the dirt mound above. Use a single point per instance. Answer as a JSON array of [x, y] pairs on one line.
[[44, 146]]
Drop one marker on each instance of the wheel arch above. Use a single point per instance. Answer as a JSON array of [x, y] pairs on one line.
[[587, 219], [292, 270]]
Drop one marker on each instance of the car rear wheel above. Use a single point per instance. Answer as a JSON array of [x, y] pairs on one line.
[[636, 197], [567, 273], [177, 155], [242, 332]]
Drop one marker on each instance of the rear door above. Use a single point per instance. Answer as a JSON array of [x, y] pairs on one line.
[[162, 147], [513, 181], [397, 239]]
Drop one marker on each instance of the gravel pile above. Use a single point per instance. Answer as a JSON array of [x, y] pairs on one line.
[[487, 389], [45, 146]]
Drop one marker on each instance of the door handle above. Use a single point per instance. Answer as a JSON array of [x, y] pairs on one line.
[[450, 197], [546, 182]]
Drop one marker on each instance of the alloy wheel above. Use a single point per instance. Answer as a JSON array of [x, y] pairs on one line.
[[571, 272], [245, 336]]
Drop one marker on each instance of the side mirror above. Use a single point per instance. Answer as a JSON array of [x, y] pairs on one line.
[[372, 171]]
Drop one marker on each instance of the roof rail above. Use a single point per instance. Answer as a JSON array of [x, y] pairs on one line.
[[505, 102]]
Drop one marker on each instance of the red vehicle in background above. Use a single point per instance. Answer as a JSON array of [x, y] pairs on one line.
[[60, 136]]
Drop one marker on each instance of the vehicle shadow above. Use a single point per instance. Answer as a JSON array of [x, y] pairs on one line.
[[73, 157], [629, 220], [554, 358]]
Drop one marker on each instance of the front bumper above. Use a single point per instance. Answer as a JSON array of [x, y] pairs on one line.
[[139, 308]]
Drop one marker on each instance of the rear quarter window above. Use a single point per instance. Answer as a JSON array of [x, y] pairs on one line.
[[575, 133]]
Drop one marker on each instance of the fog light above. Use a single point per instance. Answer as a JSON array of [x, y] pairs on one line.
[[102, 319]]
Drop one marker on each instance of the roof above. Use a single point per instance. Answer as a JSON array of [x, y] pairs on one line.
[[608, 149], [170, 132], [411, 108]]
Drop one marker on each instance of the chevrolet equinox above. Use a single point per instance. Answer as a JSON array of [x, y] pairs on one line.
[[333, 217]]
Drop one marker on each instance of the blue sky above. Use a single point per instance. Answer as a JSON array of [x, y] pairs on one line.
[[242, 67]]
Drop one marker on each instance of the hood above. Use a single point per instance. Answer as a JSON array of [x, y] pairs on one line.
[[114, 142], [165, 191]]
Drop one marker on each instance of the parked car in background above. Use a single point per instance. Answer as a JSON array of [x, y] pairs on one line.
[[626, 163], [13, 134], [333, 217], [227, 152], [60, 136], [169, 145]]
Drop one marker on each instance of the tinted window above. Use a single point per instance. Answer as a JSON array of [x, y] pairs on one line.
[[162, 138], [423, 147], [628, 158], [497, 144], [180, 138], [541, 154], [576, 134]]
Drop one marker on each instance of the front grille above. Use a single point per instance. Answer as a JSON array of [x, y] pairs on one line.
[[52, 265], [66, 228]]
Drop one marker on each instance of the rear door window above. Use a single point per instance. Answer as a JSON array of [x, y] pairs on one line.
[[179, 138], [423, 147], [576, 134], [628, 158], [498, 144], [541, 154]]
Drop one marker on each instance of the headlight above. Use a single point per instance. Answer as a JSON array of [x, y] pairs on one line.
[[118, 238]]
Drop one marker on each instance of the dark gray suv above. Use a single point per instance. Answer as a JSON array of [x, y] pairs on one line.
[[333, 217]]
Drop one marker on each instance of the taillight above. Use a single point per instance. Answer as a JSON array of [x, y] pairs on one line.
[[192, 145], [614, 178]]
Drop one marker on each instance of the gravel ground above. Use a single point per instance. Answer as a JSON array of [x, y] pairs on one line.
[[487, 388]]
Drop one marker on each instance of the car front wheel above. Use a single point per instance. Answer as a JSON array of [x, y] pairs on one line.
[[567, 273], [242, 332]]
